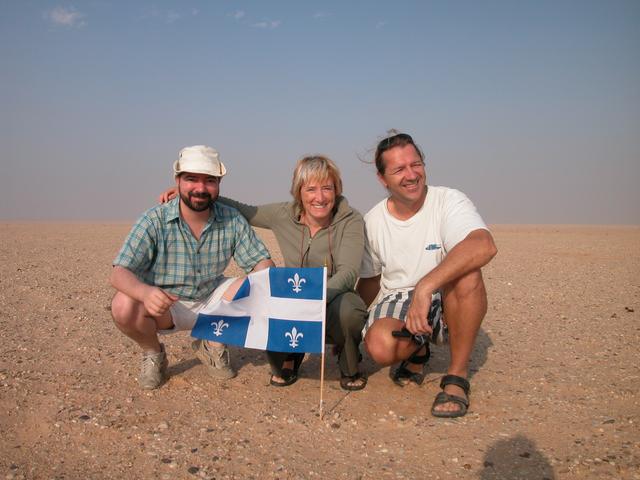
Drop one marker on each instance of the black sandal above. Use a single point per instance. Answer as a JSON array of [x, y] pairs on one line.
[[289, 375], [359, 379], [444, 397], [402, 375]]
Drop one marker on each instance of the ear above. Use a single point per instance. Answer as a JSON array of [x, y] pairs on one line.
[[381, 180]]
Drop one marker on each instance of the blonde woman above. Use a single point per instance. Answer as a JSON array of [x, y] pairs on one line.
[[319, 228]]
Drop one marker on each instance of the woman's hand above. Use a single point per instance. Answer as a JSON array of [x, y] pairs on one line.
[[169, 194]]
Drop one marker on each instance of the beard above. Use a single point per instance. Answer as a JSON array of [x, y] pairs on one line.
[[198, 202]]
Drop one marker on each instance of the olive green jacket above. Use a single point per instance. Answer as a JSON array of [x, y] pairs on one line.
[[299, 249]]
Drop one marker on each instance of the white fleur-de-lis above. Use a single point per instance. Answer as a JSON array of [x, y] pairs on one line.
[[294, 336], [297, 282], [218, 326]]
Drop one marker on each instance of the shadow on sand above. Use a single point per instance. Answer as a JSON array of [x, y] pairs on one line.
[[311, 366], [440, 356], [181, 367], [516, 458], [239, 358]]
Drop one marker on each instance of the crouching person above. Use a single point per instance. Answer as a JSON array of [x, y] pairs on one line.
[[171, 265]]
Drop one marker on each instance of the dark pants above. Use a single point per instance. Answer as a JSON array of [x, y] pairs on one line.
[[346, 316]]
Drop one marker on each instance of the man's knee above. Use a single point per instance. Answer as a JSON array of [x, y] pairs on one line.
[[467, 298], [124, 309], [380, 349], [469, 286]]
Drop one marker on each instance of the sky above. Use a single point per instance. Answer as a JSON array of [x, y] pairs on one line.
[[530, 108]]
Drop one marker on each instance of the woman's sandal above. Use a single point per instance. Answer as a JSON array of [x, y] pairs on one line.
[[444, 397], [353, 382], [403, 376], [289, 375]]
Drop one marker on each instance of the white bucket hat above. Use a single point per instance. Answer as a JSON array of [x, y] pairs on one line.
[[199, 159]]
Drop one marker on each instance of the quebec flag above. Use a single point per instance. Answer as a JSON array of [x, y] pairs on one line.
[[278, 309]]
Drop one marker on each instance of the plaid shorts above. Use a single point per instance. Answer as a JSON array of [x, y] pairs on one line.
[[395, 305]]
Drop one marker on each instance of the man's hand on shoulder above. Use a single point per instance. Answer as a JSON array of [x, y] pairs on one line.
[[157, 301]]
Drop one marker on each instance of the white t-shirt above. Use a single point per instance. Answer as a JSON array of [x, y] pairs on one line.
[[404, 251]]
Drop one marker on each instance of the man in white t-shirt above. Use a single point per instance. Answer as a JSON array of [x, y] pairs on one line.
[[424, 250]]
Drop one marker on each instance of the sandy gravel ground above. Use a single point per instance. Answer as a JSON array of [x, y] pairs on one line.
[[555, 378]]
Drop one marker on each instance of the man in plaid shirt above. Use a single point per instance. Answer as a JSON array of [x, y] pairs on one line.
[[171, 265]]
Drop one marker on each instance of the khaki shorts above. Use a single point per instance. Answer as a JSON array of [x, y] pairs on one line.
[[184, 313]]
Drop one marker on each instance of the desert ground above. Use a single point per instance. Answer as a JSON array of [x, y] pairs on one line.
[[555, 377]]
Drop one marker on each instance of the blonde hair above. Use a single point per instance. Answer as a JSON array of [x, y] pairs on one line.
[[314, 167]]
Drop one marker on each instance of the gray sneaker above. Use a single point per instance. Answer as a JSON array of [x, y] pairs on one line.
[[154, 369], [216, 358]]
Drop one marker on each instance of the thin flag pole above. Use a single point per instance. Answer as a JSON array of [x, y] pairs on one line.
[[321, 381], [323, 340]]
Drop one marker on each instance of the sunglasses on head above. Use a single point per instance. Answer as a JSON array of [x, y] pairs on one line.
[[394, 140]]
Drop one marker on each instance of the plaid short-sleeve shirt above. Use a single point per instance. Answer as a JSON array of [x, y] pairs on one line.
[[161, 250]]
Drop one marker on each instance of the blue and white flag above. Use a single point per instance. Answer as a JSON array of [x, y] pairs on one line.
[[278, 309]]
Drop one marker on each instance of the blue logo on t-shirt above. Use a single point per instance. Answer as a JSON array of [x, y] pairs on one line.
[[433, 246]]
